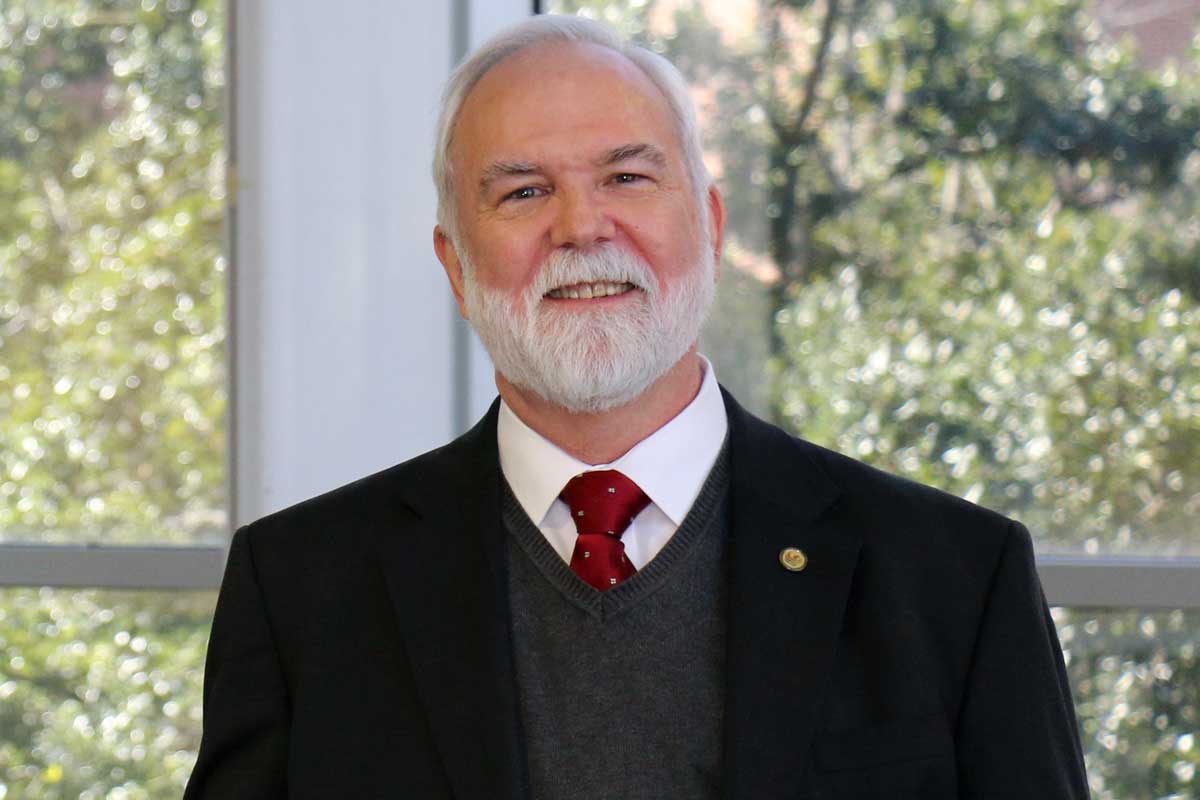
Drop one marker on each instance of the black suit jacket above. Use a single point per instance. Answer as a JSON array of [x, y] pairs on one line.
[[361, 643]]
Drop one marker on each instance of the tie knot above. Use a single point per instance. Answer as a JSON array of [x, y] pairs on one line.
[[603, 502]]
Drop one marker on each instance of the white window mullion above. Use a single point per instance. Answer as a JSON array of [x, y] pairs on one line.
[[1125, 582], [87, 566], [344, 346]]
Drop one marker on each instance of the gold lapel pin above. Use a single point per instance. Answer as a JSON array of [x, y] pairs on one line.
[[793, 559]]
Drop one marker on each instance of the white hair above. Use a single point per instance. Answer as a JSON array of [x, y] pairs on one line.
[[551, 29], [589, 362]]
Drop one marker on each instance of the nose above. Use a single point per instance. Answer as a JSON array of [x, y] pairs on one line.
[[580, 220]]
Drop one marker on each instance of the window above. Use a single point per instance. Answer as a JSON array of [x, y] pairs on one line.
[[962, 246], [112, 384], [112, 388], [100, 691], [111, 130]]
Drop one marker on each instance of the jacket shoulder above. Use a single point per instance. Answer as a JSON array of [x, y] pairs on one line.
[[918, 533], [898, 519], [859, 486], [896, 495]]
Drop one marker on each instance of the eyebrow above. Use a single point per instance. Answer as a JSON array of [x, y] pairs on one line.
[[630, 152], [523, 169], [505, 169]]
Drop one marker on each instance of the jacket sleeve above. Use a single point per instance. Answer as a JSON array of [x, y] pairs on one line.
[[1017, 736], [243, 751]]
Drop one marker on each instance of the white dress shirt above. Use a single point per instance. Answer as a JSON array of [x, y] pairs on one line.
[[670, 466]]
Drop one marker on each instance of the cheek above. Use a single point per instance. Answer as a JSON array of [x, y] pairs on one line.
[[673, 251], [504, 266], [677, 227]]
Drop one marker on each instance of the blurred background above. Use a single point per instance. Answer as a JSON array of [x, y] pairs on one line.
[[964, 246]]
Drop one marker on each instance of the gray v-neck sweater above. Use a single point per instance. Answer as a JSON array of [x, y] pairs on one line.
[[622, 692]]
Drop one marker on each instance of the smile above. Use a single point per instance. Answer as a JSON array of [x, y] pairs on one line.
[[587, 291]]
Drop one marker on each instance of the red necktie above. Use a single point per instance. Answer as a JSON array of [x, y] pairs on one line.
[[603, 503]]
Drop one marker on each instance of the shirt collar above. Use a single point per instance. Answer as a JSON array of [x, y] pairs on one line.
[[670, 465]]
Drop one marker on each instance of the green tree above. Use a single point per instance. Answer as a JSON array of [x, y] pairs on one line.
[[112, 375], [99, 693]]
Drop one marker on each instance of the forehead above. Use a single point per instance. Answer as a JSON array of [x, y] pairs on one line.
[[561, 100]]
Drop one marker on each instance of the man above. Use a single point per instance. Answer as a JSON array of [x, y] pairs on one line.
[[619, 584]]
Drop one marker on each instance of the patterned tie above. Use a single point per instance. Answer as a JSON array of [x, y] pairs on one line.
[[603, 503]]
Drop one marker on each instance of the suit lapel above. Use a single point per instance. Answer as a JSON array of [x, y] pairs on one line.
[[444, 564], [783, 625]]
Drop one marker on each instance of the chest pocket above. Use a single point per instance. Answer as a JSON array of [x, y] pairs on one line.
[[903, 759]]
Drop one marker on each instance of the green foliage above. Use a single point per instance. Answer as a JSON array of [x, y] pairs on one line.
[[1031, 367], [99, 693], [1137, 695], [112, 292]]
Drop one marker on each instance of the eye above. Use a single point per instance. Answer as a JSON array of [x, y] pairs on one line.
[[524, 193], [632, 181]]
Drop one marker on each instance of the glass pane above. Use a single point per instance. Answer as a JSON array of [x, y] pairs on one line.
[[963, 244], [112, 279], [100, 692], [1136, 676]]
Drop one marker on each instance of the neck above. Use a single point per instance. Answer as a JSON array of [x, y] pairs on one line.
[[606, 436]]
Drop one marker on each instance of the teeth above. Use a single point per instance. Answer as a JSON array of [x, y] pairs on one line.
[[586, 291]]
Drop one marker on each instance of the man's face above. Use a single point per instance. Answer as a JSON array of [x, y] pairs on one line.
[[582, 245]]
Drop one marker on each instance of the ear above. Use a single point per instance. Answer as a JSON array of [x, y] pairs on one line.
[[716, 211], [447, 253]]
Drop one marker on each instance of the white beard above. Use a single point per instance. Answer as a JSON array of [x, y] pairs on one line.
[[585, 360]]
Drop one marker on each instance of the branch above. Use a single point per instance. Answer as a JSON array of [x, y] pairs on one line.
[[56, 202], [814, 76], [774, 48]]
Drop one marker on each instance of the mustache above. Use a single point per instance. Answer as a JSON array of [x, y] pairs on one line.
[[608, 264]]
